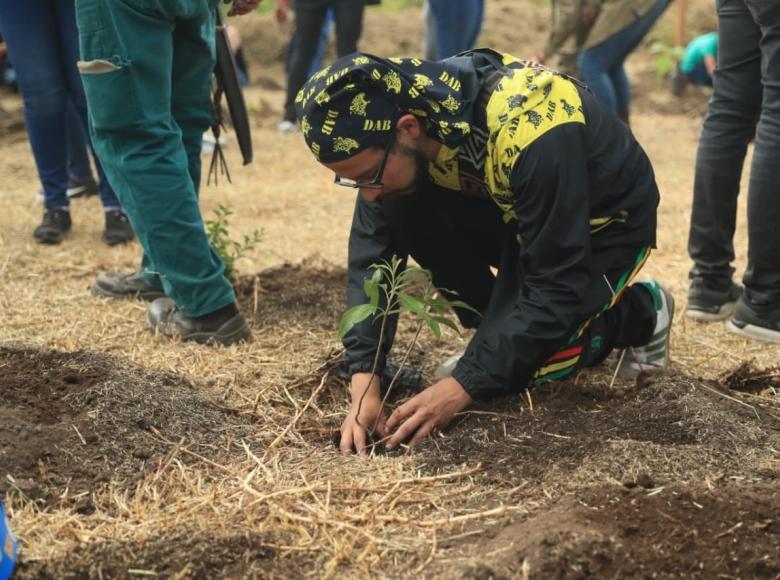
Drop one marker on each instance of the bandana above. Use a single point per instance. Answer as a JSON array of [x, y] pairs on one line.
[[354, 104]]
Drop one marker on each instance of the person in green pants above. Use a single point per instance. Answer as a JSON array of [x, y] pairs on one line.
[[146, 67]]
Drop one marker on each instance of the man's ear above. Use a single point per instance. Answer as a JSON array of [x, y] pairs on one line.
[[408, 125]]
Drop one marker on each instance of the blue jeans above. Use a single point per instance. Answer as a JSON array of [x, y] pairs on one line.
[[79, 168], [42, 42], [699, 75], [601, 66], [458, 23]]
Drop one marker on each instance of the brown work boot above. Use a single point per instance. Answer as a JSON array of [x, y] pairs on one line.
[[225, 326], [118, 286]]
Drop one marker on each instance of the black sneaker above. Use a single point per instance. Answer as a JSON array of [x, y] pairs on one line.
[[118, 229], [54, 227], [164, 317], [81, 188], [116, 285], [706, 303], [750, 322]]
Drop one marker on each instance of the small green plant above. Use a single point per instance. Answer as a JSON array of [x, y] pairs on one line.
[[666, 57], [229, 250], [404, 290]]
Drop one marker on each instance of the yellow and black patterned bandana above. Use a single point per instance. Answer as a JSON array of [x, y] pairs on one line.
[[354, 103]]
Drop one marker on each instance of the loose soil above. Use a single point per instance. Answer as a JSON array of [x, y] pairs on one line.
[[77, 421]]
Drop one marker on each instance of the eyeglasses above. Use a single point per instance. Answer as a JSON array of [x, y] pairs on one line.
[[375, 183]]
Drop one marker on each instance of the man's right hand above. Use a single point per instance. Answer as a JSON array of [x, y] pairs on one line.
[[355, 429]]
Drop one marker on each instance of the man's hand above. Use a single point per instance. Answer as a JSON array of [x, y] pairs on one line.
[[434, 408], [240, 7], [354, 434]]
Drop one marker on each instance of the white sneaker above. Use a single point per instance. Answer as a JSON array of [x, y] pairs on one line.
[[653, 356], [287, 127], [445, 369]]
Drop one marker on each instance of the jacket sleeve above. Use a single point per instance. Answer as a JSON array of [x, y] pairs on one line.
[[545, 273], [566, 19], [370, 242]]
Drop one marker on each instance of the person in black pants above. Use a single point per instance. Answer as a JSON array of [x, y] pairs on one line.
[[309, 17], [745, 103]]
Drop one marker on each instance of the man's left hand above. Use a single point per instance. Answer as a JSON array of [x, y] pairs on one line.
[[434, 408], [240, 7]]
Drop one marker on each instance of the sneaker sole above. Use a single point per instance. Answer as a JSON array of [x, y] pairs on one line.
[[753, 331], [146, 295], [722, 313]]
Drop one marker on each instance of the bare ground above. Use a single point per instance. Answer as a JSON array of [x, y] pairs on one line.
[[124, 455]]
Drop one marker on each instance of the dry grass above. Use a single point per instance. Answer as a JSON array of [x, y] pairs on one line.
[[286, 489]]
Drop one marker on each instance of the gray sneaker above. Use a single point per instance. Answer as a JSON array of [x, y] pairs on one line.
[[164, 317], [747, 321], [119, 286], [654, 355], [708, 304]]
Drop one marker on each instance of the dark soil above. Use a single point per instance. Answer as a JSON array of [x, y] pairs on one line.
[[81, 420], [667, 478], [683, 531], [749, 379], [295, 295], [180, 554]]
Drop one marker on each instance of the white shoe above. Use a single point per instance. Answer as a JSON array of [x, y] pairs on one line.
[[654, 355], [287, 127], [445, 369]]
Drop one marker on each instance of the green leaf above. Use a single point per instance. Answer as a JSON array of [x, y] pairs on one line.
[[447, 322], [353, 316], [371, 287], [417, 306]]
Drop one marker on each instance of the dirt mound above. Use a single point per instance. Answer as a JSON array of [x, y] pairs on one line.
[[180, 554], [680, 531], [79, 420], [303, 294], [667, 428]]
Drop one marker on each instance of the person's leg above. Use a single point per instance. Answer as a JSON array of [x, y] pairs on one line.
[[617, 315], [322, 44], [309, 16], [762, 277], [30, 32], [79, 168], [757, 313], [728, 128], [429, 33], [594, 64], [699, 75], [348, 16], [457, 25], [141, 145], [601, 66]]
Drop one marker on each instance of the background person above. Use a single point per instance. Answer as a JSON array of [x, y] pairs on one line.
[[617, 30], [147, 70], [745, 102], [697, 65], [310, 16], [43, 45]]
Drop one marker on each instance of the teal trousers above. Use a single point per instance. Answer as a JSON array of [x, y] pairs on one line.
[[146, 67]]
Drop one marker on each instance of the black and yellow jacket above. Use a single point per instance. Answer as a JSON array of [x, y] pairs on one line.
[[568, 177]]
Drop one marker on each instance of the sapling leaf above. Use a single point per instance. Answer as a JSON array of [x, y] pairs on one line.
[[417, 306], [447, 322], [353, 316], [371, 287]]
